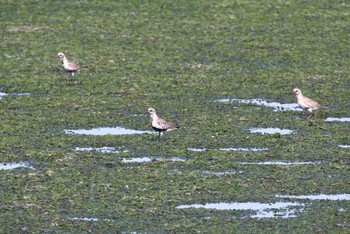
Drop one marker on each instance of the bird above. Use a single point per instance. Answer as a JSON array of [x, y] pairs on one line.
[[159, 124], [306, 103], [68, 66]]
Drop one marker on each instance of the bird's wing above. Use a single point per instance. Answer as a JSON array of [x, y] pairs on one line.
[[74, 66], [311, 103], [164, 124]]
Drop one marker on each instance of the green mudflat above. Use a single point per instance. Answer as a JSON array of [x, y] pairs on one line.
[[78, 154]]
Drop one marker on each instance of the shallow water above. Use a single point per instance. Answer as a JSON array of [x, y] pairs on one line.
[[12, 94], [137, 160], [277, 106], [241, 205], [2, 94], [11, 166], [149, 159], [89, 219], [333, 119], [333, 197], [100, 150], [19, 94], [280, 209], [244, 149], [229, 172], [106, 131], [196, 149], [271, 131], [230, 149], [290, 213], [280, 163]]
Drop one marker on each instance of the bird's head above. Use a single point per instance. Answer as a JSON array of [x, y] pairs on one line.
[[60, 56], [151, 111], [296, 92]]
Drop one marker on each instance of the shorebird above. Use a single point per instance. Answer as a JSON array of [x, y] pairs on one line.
[[306, 103], [68, 66], [159, 124]]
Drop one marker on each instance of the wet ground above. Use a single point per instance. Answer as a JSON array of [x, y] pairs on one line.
[[276, 106], [78, 154], [13, 165], [106, 131]]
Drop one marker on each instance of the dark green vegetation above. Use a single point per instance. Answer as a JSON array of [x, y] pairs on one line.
[[178, 57]]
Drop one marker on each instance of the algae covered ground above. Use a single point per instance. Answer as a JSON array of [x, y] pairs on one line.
[[179, 57]]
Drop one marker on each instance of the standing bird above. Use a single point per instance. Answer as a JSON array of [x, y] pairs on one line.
[[159, 124], [68, 66], [306, 103]]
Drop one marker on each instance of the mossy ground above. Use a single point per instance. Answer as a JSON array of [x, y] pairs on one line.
[[178, 57]]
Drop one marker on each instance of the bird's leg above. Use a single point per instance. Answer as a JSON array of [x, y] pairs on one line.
[[305, 112], [159, 136], [71, 77]]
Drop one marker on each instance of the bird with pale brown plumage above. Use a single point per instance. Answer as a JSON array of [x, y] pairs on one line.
[[306, 103], [68, 66], [159, 124]]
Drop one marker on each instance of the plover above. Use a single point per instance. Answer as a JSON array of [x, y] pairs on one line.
[[68, 66], [159, 124], [306, 103]]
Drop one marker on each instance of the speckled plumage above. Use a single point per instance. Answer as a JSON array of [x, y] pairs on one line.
[[304, 102], [68, 66], [159, 124]]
